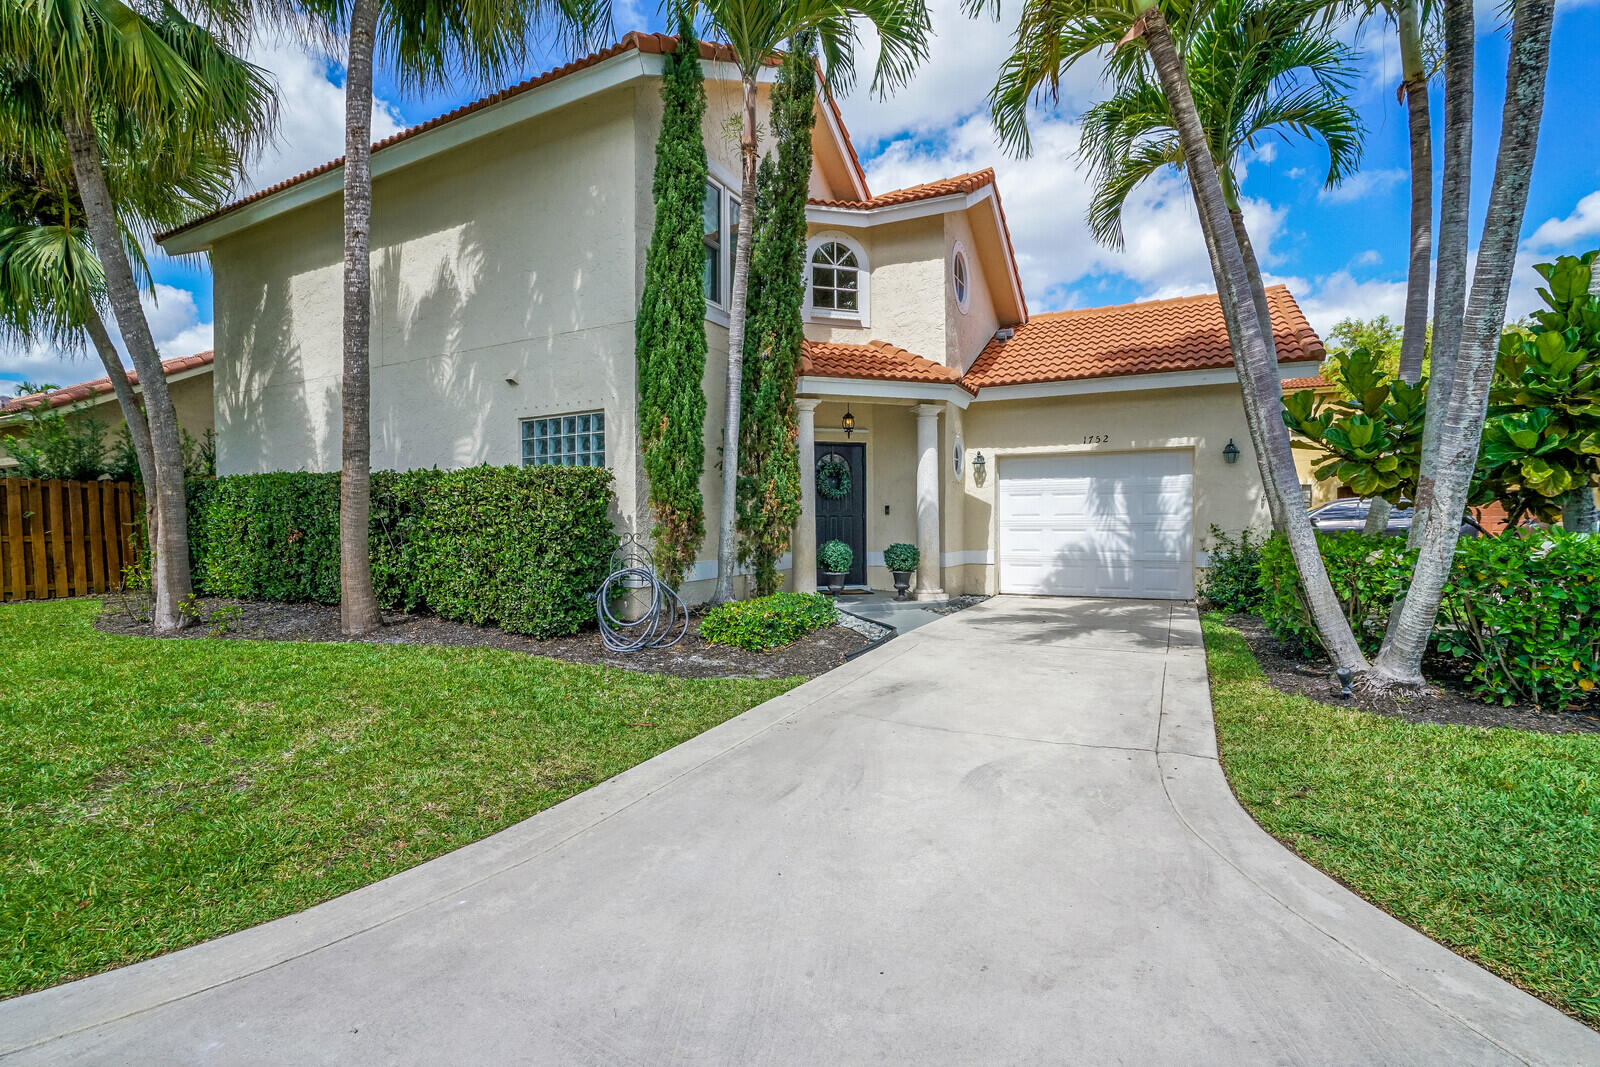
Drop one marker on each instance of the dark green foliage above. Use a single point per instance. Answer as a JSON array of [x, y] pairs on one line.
[[901, 557], [49, 445], [767, 622], [670, 343], [1233, 577], [1367, 573], [1525, 614], [769, 465], [1541, 439], [835, 557], [1372, 442], [521, 547]]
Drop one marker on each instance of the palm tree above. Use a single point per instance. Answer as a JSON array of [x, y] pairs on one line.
[[52, 284], [1459, 412], [754, 31], [1051, 36], [1258, 68], [425, 42], [95, 67]]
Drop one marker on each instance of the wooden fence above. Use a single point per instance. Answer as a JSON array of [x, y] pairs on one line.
[[65, 538]]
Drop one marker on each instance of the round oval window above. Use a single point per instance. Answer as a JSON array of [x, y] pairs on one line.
[[955, 459], [958, 277]]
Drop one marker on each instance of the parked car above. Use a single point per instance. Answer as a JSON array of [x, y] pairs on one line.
[[1351, 514]]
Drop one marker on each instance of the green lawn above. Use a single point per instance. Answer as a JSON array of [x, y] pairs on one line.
[[154, 794], [1487, 840]]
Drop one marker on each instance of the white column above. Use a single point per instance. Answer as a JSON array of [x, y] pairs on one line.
[[803, 546], [929, 572]]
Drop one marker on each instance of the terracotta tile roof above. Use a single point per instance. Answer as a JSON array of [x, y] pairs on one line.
[[876, 360], [850, 145], [961, 183], [1293, 384], [1186, 333], [647, 43], [72, 394]]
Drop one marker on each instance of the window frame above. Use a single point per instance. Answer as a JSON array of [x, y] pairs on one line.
[[962, 291], [526, 435], [862, 316], [727, 222]]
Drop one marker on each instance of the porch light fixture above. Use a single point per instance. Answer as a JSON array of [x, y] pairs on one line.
[[848, 423], [978, 465], [1230, 452]]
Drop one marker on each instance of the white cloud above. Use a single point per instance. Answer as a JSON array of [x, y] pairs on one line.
[[1370, 258], [1364, 184], [310, 112], [175, 321], [1267, 151], [1561, 235]]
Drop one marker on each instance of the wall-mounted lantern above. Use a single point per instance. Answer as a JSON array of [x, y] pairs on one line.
[[848, 423], [979, 465], [1230, 452]]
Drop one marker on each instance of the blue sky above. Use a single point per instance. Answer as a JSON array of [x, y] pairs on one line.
[[1341, 252]]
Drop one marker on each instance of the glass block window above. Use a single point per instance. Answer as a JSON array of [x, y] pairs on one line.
[[565, 441]]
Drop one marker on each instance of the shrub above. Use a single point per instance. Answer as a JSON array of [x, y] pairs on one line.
[[1233, 577], [768, 622], [901, 557], [1366, 573], [1524, 612], [521, 547], [835, 557]]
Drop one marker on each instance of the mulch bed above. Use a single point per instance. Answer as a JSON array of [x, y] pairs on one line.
[[691, 657], [1447, 701]]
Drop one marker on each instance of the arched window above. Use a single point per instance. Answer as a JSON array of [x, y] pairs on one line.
[[958, 277], [835, 279]]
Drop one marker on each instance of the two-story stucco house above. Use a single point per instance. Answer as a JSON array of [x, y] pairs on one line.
[[1078, 452]]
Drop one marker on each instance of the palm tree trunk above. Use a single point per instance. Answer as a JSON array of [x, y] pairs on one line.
[[727, 545], [1258, 365], [132, 414], [1450, 287], [1577, 511], [1399, 663], [1258, 294], [171, 585], [1414, 338], [358, 605]]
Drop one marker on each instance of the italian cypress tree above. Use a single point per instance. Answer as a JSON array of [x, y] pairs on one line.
[[670, 344], [769, 466]]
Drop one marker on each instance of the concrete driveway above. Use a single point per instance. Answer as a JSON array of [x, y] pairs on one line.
[[1002, 838]]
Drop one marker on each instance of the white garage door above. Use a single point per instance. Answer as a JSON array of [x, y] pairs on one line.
[[1117, 524]]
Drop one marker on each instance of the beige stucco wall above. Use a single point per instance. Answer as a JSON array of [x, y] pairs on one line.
[[967, 332], [191, 401], [907, 283]]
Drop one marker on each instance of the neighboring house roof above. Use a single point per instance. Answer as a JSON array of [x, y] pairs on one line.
[[99, 387], [1291, 385], [875, 360], [1186, 333], [645, 43]]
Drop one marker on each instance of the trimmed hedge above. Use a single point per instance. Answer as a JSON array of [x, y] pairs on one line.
[[768, 622], [1367, 573], [521, 547], [1522, 612]]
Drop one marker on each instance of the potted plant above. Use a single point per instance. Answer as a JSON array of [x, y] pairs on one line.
[[835, 558], [902, 560]]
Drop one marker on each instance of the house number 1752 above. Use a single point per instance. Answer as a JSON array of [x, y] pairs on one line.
[[1096, 438]]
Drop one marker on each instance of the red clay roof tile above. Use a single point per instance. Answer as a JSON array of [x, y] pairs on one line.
[[875, 360], [72, 394], [1293, 384], [961, 183], [1186, 333]]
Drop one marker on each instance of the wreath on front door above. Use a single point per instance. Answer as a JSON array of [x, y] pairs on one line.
[[833, 479]]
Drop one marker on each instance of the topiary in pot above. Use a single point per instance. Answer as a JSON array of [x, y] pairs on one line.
[[902, 559], [835, 558]]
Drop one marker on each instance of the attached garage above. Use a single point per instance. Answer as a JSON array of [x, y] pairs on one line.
[[1116, 524]]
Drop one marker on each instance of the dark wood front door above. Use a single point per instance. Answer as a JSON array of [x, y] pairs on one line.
[[845, 519]]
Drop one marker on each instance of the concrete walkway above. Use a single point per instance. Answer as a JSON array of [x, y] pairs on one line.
[[1003, 838]]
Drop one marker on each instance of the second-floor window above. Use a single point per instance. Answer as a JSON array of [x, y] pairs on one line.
[[835, 279], [720, 225]]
